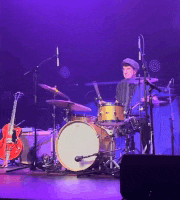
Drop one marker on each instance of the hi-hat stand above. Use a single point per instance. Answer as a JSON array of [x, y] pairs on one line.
[[51, 165]]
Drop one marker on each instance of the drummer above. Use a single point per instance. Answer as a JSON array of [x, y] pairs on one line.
[[128, 91], [129, 94]]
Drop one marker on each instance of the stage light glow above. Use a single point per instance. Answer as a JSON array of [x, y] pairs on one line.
[[154, 65], [64, 72]]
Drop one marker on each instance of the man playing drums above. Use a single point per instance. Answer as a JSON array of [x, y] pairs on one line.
[[129, 93]]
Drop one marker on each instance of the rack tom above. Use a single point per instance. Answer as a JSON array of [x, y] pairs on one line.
[[110, 112]]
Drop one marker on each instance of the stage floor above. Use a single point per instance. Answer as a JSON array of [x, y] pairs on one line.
[[28, 184]]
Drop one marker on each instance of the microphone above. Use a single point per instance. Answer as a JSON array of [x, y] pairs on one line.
[[78, 158], [139, 47], [57, 54]]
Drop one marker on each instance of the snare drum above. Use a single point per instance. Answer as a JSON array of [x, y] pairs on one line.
[[110, 112], [78, 138]]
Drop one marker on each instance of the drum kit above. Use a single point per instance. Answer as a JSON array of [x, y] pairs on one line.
[[86, 144]]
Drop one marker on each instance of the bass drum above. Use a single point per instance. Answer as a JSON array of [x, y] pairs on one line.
[[78, 138]]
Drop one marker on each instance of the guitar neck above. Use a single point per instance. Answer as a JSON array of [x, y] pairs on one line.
[[11, 127]]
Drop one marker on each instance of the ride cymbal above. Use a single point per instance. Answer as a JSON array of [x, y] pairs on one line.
[[69, 105]]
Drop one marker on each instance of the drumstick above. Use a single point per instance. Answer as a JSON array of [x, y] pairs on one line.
[[97, 90]]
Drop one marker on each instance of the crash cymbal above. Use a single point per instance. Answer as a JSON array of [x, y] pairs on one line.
[[69, 104], [53, 90], [140, 80]]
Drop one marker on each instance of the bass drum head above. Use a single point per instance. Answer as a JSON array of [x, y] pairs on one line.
[[77, 139]]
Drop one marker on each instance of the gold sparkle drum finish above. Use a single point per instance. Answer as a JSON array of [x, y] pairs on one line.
[[110, 112], [79, 138]]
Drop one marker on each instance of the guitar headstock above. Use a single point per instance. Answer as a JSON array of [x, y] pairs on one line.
[[18, 95]]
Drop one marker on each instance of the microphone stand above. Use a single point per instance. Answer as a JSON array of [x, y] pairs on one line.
[[144, 67], [34, 149], [35, 79], [171, 121]]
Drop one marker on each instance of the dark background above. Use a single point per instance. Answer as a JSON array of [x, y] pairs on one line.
[[93, 37]]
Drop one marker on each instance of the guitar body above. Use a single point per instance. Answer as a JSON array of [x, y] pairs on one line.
[[15, 147]]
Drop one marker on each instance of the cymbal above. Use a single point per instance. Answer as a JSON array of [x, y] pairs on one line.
[[158, 103], [140, 80], [53, 90], [69, 104]]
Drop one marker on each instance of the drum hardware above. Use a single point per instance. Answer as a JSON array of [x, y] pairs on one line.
[[102, 164], [172, 116], [52, 160], [46, 164], [152, 87], [129, 148], [111, 157]]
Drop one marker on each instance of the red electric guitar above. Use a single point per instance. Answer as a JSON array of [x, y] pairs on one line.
[[10, 144]]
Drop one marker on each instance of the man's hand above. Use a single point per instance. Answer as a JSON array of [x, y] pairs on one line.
[[155, 100]]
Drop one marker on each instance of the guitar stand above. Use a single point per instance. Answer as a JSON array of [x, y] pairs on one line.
[[24, 166]]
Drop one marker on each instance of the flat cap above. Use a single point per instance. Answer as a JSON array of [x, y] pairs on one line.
[[131, 62]]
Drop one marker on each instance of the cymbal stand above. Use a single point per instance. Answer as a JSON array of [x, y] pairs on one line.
[[67, 114], [140, 111], [54, 132], [111, 157], [152, 146]]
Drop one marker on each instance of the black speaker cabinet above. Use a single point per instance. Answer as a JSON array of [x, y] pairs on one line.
[[150, 177]]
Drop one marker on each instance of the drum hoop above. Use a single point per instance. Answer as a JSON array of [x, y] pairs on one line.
[[111, 104], [63, 164], [78, 115]]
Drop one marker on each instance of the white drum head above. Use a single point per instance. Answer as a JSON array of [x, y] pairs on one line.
[[77, 139]]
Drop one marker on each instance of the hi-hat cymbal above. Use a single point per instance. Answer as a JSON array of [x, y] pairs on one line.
[[140, 80], [53, 90], [69, 104]]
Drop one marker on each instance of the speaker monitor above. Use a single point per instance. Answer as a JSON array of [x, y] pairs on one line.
[[150, 177], [44, 145]]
